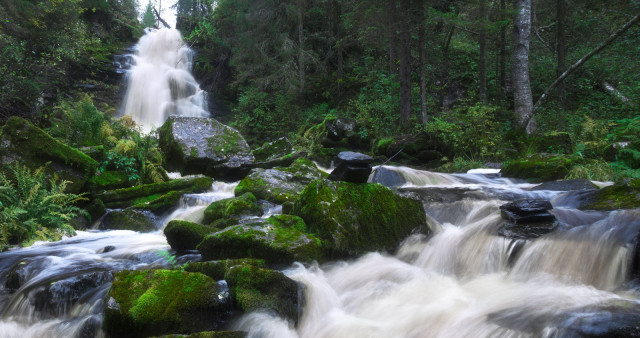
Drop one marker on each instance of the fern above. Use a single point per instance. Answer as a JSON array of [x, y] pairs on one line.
[[29, 202]]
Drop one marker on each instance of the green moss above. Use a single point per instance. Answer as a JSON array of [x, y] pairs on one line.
[[382, 147], [229, 143], [158, 203], [236, 207], [276, 240], [128, 196], [128, 219], [623, 195], [183, 235], [352, 219], [218, 269], [158, 301], [24, 141], [255, 289], [273, 150], [109, 180], [539, 167]]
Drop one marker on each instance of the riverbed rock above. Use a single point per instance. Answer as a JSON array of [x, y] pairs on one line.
[[58, 297], [527, 211], [351, 167], [23, 142], [155, 302], [194, 145], [258, 289], [234, 208], [418, 149], [218, 269], [280, 184], [281, 239], [352, 219], [129, 219], [539, 167], [154, 196], [387, 177], [183, 235], [528, 231], [566, 185], [622, 195]]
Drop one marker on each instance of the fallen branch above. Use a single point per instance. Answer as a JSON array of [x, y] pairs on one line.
[[159, 18]]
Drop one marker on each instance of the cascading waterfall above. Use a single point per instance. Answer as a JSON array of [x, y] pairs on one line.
[[160, 83]]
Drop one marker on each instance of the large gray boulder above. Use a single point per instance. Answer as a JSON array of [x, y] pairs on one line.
[[198, 145]]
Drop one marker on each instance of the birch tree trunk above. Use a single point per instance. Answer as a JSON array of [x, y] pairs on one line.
[[522, 96]]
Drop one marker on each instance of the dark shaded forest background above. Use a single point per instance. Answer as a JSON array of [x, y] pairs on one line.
[[442, 69]]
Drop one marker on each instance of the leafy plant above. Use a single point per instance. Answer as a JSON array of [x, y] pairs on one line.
[[114, 161], [31, 204]]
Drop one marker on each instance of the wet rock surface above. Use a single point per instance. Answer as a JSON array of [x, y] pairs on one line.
[[196, 145], [527, 211], [351, 167]]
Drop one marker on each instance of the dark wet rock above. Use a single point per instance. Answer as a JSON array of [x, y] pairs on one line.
[[96, 209], [277, 239], [539, 167], [280, 184], [258, 289], [566, 185], [58, 297], [129, 219], [351, 167], [183, 235], [417, 149], [232, 208], [387, 177], [622, 195], [352, 219], [333, 135], [204, 146], [21, 141], [15, 277], [218, 269], [106, 249], [527, 211], [156, 302], [209, 334], [528, 230]]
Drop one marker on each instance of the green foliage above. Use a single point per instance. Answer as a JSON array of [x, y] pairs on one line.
[[377, 104], [29, 204], [114, 161], [472, 132], [148, 18], [79, 123]]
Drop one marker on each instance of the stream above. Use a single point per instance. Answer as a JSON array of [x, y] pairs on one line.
[[464, 280]]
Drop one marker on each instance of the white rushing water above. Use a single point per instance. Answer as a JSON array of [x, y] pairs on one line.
[[160, 83], [468, 281]]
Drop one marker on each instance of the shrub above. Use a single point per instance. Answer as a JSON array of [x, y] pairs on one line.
[[32, 207]]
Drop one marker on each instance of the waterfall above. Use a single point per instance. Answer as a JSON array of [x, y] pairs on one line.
[[160, 83]]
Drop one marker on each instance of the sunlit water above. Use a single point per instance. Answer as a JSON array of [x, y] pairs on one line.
[[160, 83]]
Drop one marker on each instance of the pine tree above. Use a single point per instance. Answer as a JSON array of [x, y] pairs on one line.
[[148, 19]]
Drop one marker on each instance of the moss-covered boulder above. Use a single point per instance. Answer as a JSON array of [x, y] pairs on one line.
[[256, 289], [355, 218], [622, 195], [147, 193], [218, 269], [195, 145], [278, 239], [280, 184], [274, 150], [155, 302], [129, 219], [109, 180], [539, 167], [183, 235], [235, 207], [417, 150], [24, 142]]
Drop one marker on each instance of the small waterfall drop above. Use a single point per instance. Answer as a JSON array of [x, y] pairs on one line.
[[160, 83]]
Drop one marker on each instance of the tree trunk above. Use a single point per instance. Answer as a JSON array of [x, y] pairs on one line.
[[392, 35], [423, 73], [561, 14], [482, 76], [301, 75], [405, 64], [503, 49], [522, 96]]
